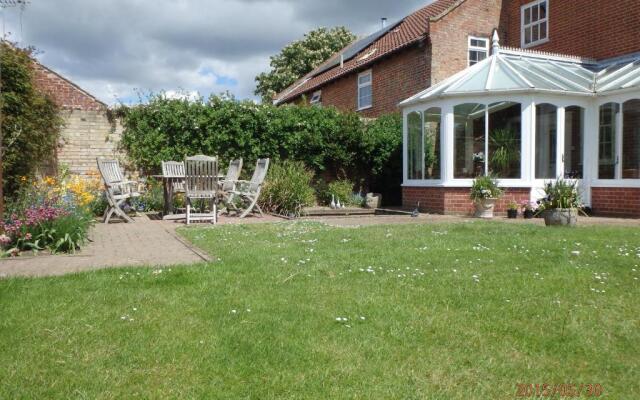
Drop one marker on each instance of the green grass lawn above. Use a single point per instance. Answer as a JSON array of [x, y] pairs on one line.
[[455, 311]]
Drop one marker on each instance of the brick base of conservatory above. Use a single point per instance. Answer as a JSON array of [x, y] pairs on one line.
[[616, 201], [446, 200]]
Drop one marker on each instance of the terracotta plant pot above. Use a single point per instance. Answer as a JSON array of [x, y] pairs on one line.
[[513, 214], [528, 214], [561, 217], [484, 208]]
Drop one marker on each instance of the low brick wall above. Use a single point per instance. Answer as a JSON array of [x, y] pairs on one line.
[[616, 201], [450, 200]]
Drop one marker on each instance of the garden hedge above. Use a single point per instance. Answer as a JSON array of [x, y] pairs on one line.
[[330, 143]]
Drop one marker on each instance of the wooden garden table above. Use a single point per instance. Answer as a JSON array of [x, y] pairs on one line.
[[168, 184]]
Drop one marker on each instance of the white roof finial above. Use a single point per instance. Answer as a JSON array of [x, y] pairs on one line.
[[495, 42]]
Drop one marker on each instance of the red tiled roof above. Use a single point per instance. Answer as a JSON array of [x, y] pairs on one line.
[[410, 30]]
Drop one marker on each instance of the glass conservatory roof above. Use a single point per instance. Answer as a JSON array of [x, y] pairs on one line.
[[513, 71]]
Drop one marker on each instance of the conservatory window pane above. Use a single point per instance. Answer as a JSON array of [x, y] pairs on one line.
[[607, 141], [631, 139], [431, 155], [414, 145], [573, 142], [504, 139], [469, 140], [546, 143]]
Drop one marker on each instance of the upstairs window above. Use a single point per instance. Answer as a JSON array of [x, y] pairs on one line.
[[534, 23], [478, 49], [365, 91], [316, 98]]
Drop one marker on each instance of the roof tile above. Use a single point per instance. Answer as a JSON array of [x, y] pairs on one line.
[[411, 29]]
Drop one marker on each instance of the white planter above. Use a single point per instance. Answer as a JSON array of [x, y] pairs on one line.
[[484, 208]]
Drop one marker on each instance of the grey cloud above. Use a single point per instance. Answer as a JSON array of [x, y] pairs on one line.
[[113, 46]]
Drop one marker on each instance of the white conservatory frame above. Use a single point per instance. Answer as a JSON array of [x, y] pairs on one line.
[[618, 86]]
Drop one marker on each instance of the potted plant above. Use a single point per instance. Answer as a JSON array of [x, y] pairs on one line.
[[561, 203], [512, 210], [529, 209], [484, 193]]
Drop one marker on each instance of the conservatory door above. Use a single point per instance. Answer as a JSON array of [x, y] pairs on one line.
[[559, 151]]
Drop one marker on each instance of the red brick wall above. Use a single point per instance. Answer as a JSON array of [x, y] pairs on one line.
[[64, 93], [395, 78], [449, 35], [439, 200], [616, 202], [588, 28]]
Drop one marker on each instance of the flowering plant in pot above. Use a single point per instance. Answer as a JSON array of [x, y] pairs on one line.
[[512, 209], [529, 209], [561, 204], [484, 193]]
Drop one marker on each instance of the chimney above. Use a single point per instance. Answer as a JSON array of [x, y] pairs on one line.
[[384, 22]]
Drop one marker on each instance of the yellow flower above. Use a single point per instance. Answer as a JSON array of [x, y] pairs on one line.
[[49, 180], [23, 179]]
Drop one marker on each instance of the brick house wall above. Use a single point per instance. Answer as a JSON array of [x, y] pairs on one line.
[[449, 35], [87, 133], [394, 79], [616, 201], [588, 28], [453, 200]]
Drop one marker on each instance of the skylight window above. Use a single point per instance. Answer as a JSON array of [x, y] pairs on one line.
[[316, 98], [534, 23]]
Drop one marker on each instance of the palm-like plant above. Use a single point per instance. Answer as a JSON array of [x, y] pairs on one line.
[[505, 150]]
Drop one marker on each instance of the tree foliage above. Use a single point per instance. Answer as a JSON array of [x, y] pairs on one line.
[[299, 58], [31, 122], [330, 143]]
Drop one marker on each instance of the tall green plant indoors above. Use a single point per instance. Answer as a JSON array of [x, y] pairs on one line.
[[31, 122], [505, 150]]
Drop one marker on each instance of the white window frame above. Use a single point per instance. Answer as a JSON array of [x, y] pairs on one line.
[[538, 22], [316, 98], [360, 86], [471, 48]]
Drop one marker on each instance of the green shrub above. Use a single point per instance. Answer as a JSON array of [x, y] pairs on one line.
[[342, 190], [328, 142], [31, 122], [287, 189], [152, 199]]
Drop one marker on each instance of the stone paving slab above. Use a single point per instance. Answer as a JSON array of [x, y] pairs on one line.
[[142, 243]]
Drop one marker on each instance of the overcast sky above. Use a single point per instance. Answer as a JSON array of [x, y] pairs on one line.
[[113, 47]]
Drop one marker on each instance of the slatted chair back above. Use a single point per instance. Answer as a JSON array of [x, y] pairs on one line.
[[110, 172], [233, 173], [173, 171], [201, 176], [259, 175]]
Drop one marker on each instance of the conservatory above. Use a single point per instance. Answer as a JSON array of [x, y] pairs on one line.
[[526, 117]]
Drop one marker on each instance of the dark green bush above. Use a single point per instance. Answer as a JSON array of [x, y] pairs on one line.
[[342, 190], [332, 144], [287, 189], [31, 122]]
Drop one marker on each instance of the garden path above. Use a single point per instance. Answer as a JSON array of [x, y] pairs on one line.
[[145, 242]]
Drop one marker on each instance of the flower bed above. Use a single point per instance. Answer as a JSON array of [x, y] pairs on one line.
[[52, 213]]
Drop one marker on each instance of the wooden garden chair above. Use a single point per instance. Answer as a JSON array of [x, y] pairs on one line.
[[249, 191], [230, 182], [172, 182], [201, 183], [117, 189]]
